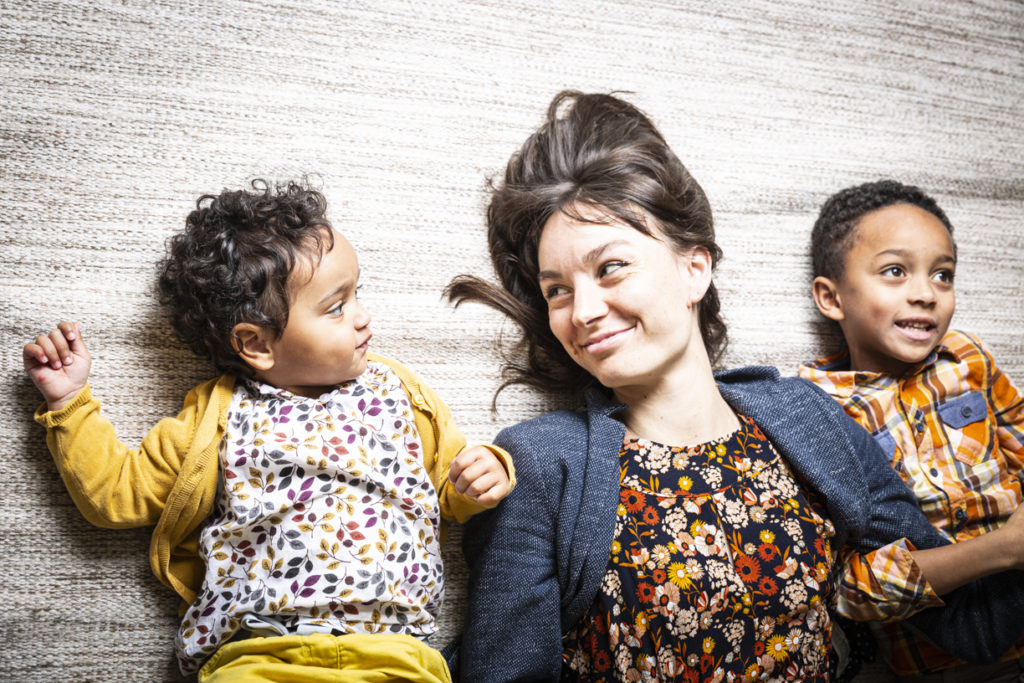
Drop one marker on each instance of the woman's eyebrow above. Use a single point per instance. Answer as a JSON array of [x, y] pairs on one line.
[[588, 258]]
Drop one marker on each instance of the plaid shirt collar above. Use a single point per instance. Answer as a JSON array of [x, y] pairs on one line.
[[842, 381]]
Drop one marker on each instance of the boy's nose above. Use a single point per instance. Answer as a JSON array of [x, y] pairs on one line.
[[922, 290]]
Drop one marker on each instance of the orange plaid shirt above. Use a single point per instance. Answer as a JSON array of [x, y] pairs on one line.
[[953, 429]]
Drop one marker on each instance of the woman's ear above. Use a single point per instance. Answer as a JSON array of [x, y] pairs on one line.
[[698, 263], [826, 296], [251, 343]]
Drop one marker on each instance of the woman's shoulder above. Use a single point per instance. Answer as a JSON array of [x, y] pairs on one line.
[[557, 424], [761, 380]]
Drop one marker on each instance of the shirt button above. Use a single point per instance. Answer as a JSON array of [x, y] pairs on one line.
[[966, 411], [934, 472], [919, 426], [418, 399], [961, 515]]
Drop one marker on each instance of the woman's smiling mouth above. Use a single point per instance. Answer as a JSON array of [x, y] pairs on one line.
[[605, 341]]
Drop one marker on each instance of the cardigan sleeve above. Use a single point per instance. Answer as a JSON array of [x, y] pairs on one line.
[[980, 620], [113, 485], [513, 623]]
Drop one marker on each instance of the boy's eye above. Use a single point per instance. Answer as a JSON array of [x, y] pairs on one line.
[[337, 310], [944, 276], [893, 271]]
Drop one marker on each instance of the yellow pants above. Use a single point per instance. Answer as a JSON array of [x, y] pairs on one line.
[[320, 658]]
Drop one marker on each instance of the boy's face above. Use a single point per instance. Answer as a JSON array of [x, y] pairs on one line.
[[328, 331], [895, 298]]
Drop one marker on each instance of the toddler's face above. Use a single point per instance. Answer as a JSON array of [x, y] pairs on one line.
[[328, 331], [896, 293]]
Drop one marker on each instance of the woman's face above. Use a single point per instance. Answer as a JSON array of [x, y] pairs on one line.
[[622, 303]]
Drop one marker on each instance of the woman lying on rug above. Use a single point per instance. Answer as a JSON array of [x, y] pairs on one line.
[[683, 525]]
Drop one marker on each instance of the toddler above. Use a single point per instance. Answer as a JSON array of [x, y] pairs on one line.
[[297, 499], [950, 421]]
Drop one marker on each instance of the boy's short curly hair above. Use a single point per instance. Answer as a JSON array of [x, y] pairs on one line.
[[833, 233], [231, 264]]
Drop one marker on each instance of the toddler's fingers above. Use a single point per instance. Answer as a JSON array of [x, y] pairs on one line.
[[73, 333], [463, 464], [494, 492], [60, 346], [455, 470], [33, 354], [47, 353]]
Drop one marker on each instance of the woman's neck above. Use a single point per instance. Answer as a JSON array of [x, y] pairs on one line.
[[679, 413]]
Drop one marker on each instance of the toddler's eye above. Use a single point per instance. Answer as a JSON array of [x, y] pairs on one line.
[[337, 310], [893, 271]]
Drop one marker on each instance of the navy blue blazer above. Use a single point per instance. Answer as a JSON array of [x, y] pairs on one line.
[[537, 559]]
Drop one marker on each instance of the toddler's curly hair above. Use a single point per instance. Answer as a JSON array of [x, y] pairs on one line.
[[231, 264], [833, 233]]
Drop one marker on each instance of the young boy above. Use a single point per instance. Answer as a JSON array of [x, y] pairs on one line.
[[950, 421], [297, 498]]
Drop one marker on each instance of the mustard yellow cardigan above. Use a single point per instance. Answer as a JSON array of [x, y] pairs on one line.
[[171, 479]]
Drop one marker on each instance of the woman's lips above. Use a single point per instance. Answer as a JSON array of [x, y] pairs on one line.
[[602, 342]]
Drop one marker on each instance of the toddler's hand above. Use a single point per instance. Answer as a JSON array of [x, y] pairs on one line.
[[478, 473], [58, 364]]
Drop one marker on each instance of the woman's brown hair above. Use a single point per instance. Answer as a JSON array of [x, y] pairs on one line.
[[594, 151]]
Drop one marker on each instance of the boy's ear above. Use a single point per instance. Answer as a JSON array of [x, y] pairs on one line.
[[251, 342], [826, 296]]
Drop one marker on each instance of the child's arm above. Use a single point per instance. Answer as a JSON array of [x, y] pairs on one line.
[[478, 474], [58, 364], [954, 565], [112, 485], [980, 620]]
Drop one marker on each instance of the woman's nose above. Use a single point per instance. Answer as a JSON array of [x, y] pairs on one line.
[[588, 305]]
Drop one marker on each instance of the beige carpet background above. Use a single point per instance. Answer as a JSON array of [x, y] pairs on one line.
[[116, 115]]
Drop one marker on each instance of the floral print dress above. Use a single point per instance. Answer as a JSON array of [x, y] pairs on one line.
[[327, 521], [721, 570]]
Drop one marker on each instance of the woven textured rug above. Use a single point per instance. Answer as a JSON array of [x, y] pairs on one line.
[[116, 115]]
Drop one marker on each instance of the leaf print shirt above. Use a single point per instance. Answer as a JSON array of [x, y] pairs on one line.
[[721, 570], [326, 521]]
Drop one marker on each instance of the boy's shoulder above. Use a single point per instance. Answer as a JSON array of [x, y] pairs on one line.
[[964, 345]]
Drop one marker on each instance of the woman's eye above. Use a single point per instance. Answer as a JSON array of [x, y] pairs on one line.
[[893, 271], [553, 292], [611, 267]]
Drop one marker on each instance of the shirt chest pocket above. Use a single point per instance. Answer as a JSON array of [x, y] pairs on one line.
[[967, 428]]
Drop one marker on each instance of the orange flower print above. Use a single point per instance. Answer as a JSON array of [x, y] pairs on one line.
[[650, 515], [767, 585], [633, 500], [748, 568]]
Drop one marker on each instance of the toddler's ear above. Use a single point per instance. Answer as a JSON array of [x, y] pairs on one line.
[[250, 342], [826, 296]]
